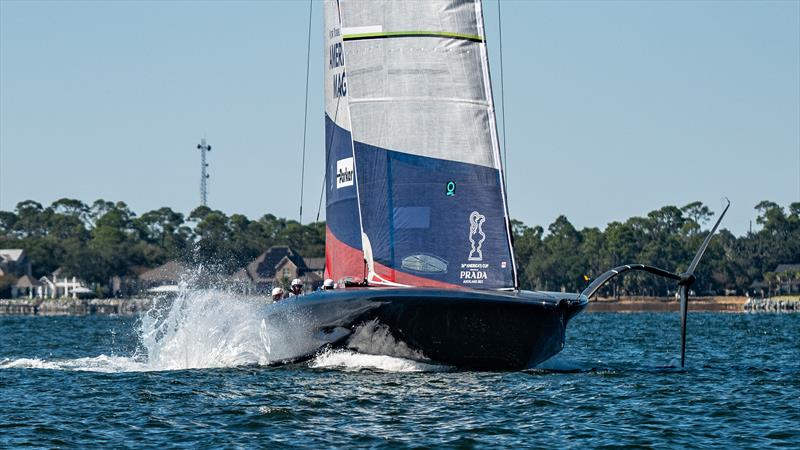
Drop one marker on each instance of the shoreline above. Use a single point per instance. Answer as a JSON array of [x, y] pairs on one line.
[[74, 307], [731, 304], [133, 306]]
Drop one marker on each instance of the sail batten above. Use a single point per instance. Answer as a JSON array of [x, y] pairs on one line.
[[409, 33], [420, 99], [424, 155]]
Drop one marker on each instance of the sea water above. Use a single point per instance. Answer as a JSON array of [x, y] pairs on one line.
[[195, 372]]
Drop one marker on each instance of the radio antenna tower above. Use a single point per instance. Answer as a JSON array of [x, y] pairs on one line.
[[204, 148]]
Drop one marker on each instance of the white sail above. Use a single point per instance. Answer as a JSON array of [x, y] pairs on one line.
[[428, 172]]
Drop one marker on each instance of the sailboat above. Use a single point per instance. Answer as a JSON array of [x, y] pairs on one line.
[[418, 230]]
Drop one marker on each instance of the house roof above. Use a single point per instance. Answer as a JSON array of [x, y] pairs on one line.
[[27, 281], [285, 261], [11, 254], [263, 267], [787, 268], [169, 272], [315, 263]]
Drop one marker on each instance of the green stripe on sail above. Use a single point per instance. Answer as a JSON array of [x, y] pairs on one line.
[[395, 34]]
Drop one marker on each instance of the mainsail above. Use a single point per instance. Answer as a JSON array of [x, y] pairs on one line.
[[414, 179]]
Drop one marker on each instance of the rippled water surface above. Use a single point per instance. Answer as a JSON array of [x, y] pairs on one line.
[[121, 381]]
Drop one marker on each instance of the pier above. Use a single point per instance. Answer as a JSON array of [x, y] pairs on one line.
[[772, 305]]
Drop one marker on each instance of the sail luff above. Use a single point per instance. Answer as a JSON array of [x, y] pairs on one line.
[[367, 261], [343, 252]]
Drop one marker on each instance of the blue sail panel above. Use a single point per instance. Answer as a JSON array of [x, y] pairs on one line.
[[420, 109], [344, 257], [433, 220]]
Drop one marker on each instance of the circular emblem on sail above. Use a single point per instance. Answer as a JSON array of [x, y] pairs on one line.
[[451, 188]]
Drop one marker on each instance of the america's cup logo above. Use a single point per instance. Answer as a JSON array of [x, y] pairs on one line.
[[476, 235]]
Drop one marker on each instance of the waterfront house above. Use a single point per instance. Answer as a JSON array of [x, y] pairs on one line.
[[56, 286], [14, 261], [25, 286], [783, 280], [278, 266], [164, 278], [787, 277]]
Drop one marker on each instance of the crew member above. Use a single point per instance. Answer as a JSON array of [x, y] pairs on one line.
[[296, 288], [277, 294], [328, 284]]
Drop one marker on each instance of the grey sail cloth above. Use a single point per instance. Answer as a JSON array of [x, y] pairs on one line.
[[417, 83]]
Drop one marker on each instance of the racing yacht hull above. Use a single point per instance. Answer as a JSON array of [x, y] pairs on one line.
[[467, 329]]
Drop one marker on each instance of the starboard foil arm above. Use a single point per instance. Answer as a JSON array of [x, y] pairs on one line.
[[601, 281], [684, 279]]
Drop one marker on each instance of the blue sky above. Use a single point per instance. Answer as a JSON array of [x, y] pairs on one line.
[[613, 109]]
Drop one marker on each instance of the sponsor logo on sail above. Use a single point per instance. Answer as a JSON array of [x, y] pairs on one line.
[[451, 189], [475, 272], [344, 172], [476, 235]]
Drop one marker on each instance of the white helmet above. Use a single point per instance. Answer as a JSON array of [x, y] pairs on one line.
[[297, 282], [277, 291], [328, 284]]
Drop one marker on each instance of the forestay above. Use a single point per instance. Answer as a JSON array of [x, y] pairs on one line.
[[412, 119]]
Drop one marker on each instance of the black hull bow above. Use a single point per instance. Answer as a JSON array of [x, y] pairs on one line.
[[468, 329]]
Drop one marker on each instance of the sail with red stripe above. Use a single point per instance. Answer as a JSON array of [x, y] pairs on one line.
[[427, 205]]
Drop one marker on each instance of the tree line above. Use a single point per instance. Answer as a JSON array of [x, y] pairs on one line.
[[564, 257], [105, 239]]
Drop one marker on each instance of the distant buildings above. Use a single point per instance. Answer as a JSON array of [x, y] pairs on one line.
[[277, 266], [50, 287], [785, 279], [14, 261], [54, 286], [164, 278]]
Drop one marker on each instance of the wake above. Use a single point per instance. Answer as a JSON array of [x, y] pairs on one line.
[[216, 328]]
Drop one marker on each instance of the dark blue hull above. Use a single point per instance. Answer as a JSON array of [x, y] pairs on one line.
[[480, 330]]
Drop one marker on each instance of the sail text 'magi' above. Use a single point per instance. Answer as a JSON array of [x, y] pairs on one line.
[[408, 103]]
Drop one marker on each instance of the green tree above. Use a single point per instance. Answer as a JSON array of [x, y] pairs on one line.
[[528, 248], [165, 230], [110, 250], [214, 242]]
